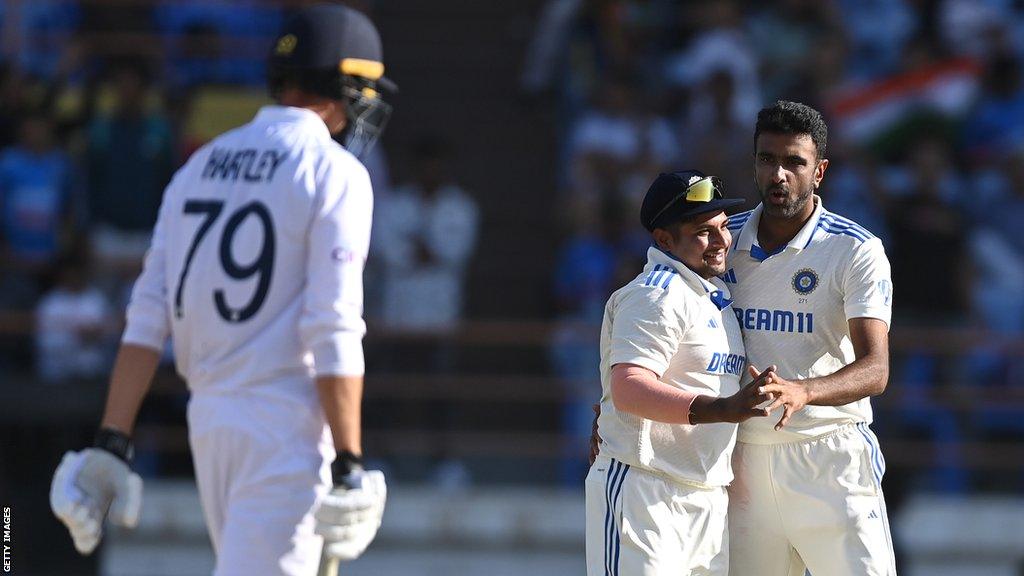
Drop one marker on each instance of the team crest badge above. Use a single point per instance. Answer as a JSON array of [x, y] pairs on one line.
[[805, 281]]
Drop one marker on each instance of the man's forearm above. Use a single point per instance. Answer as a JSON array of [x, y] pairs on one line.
[[129, 383], [863, 377], [342, 399], [638, 391]]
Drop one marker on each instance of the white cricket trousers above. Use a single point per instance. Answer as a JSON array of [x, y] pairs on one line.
[[642, 524], [814, 505], [262, 464]]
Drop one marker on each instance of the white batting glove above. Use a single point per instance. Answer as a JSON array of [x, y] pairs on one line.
[[348, 517], [90, 485]]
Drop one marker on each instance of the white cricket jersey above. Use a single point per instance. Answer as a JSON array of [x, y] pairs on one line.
[[255, 268], [678, 325], [794, 306]]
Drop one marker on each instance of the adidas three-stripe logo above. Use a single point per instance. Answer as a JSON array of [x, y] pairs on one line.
[[612, 491], [661, 274]]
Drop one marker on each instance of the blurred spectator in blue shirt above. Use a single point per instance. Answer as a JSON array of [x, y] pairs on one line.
[[1006, 217], [978, 28], [997, 250], [216, 42], [996, 125], [40, 31], [585, 273], [36, 210], [36, 202], [585, 266], [878, 30]]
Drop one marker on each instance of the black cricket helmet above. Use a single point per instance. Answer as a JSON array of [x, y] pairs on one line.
[[335, 51]]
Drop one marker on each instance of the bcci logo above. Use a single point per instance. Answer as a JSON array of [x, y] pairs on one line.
[[805, 281]]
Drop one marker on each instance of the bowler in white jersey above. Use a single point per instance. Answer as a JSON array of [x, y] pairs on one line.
[[255, 273], [812, 293], [671, 361]]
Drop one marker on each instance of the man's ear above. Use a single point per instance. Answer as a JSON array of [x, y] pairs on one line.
[[662, 238], [819, 172]]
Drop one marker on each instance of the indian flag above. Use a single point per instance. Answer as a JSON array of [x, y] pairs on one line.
[[867, 112]]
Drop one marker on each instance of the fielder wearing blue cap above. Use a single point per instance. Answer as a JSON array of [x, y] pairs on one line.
[[671, 360]]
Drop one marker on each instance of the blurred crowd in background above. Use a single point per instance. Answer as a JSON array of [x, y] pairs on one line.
[[924, 100], [100, 103], [925, 105], [92, 129]]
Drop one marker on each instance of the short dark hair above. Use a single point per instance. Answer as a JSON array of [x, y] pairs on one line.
[[674, 228], [784, 117]]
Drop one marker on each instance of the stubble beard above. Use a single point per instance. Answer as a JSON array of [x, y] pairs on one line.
[[789, 207]]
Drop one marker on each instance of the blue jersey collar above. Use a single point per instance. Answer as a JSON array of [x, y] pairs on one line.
[[746, 239]]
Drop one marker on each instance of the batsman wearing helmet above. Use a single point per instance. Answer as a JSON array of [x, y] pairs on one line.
[[255, 273]]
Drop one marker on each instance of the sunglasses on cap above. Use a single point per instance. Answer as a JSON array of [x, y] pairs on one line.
[[704, 190]]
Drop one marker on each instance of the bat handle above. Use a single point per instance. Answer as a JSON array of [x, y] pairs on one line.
[[328, 565]]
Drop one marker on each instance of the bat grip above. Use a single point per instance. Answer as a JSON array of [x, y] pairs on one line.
[[328, 565]]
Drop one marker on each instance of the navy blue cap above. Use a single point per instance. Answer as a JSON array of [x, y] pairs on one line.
[[330, 36], [666, 203]]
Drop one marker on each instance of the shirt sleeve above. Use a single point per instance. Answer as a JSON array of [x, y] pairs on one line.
[[646, 331], [147, 321], [332, 325], [867, 285]]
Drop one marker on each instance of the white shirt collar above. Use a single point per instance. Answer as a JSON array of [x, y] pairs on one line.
[[699, 285], [309, 119], [746, 240]]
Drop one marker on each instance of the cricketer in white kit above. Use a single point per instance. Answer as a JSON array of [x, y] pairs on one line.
[[671, 359], [255, 273], [813, 294]]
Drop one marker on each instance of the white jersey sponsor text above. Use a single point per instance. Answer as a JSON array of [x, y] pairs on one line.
[[794, 306], [667, 320]]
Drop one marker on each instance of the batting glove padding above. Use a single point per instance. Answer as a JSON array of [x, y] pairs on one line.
[[89, 485], [348, 517]]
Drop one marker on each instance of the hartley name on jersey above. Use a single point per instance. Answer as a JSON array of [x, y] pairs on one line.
[[250, 164]]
